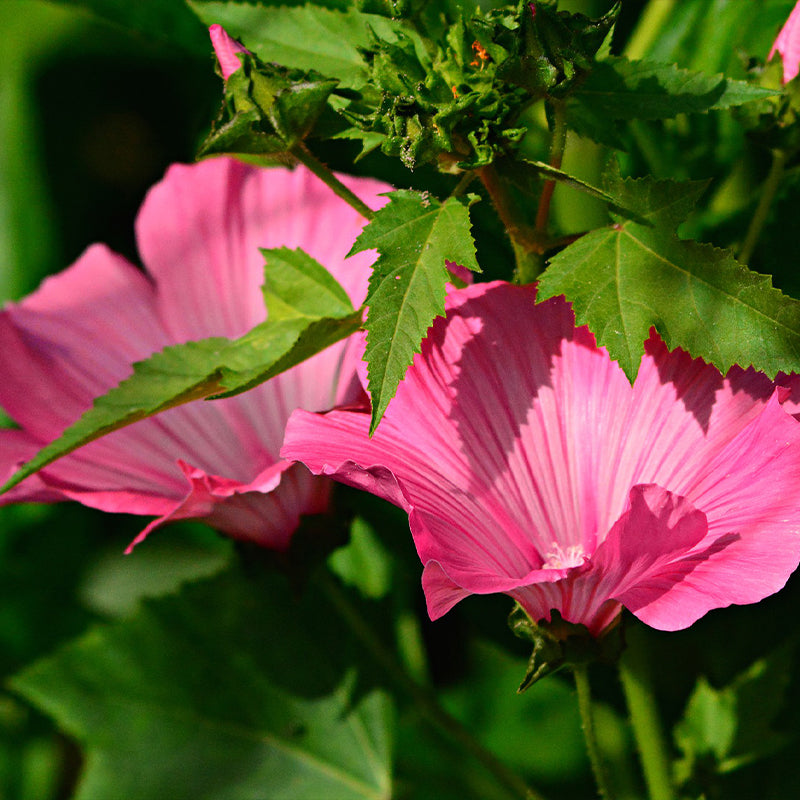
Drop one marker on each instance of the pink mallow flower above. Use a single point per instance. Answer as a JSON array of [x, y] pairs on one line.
[[529, 465], [788, 45], [199, 232], [226, 50]]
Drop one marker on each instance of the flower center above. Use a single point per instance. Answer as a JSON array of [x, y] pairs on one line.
[[558, 558]]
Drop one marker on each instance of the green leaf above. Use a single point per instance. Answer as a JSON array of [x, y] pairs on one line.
[[307, 37], [311, 312], [231, 689], [364, 563], [415, 236], [618, 89], [626, 278], [728, 728], [167, 21]]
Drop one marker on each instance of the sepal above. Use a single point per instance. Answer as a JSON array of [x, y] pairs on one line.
[[553, 49], [558, 644], [267, 110]]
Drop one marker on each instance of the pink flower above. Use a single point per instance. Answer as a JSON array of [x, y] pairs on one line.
[[199, 233], [788, 45], [226, 49], [529, 465]]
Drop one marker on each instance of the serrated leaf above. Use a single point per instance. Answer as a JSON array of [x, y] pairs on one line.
[[311, 312], [618, 89], [415, 235], [307, 37], [626, 278], [231, 689]]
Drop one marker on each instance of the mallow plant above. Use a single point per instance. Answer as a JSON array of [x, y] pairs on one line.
[[519, 276]]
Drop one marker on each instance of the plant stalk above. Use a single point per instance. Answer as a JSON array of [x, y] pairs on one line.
[[647, 730], [768, 191], [581, 672], [557, 147], [524, 240], [324, 173], [423, 697]]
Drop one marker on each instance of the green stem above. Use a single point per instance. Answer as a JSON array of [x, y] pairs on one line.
[[525, 241], [557, 147], [461, 187], [305, 156], [762, 210], [647, 731], [653, 21], [581, 672], [425, 699]]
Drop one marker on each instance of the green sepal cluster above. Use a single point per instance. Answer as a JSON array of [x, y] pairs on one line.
[[550, 50], [558, 644], [449, 109], [267, 110]]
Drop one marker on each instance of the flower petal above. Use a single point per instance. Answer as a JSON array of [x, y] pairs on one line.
[[476, 439], [225, 49], [748, 491], [788, 45], [200, 230], [266, 511], [73, 339]]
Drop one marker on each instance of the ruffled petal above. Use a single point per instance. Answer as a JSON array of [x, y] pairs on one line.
[[265, 511], [441, 593], [643, 556], [477, 436], [748, 492]]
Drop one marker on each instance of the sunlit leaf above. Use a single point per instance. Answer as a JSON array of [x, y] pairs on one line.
[[628, 277], [415, 235]]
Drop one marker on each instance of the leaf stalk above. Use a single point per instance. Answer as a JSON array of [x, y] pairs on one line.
[[557, 146], [525, 241], [325, 174]]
